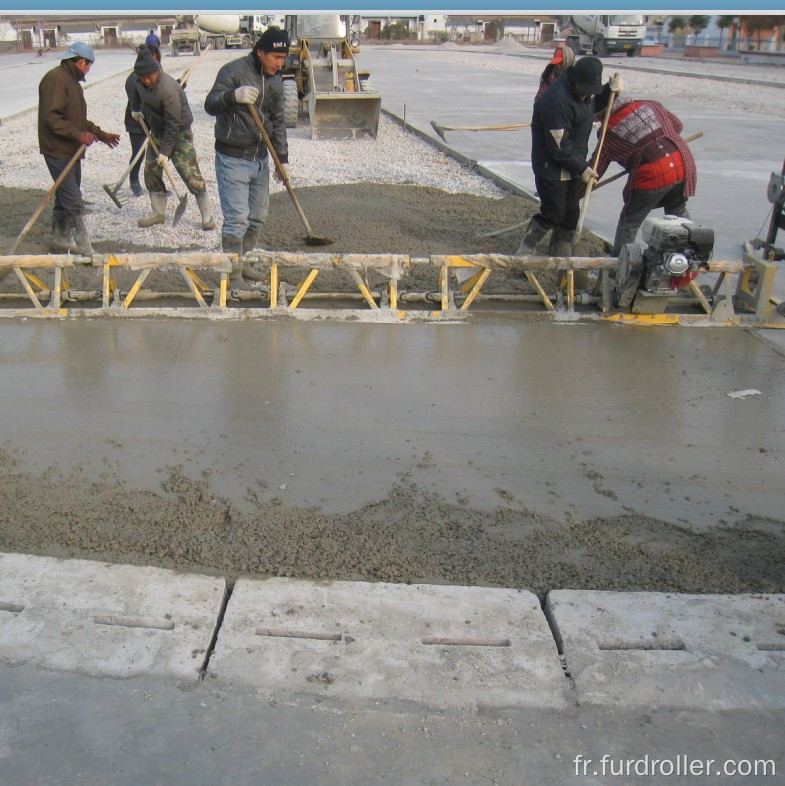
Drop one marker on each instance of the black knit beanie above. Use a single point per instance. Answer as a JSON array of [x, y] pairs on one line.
[[145, 62], [273, 40]]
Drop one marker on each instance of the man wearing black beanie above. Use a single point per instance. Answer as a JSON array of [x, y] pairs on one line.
[[161, 103], [241, 160], [561, 124]]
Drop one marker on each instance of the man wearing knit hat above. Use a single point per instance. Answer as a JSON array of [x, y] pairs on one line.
[[161, 103], [62, 127], [241, 160], [561, 124]]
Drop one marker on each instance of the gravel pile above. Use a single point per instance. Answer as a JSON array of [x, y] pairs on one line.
[[394, 157]]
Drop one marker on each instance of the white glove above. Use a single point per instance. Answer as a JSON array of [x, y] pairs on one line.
[[138, 116], [162, 159], [616, 83], [588, 174], [277, 174], [246, 95]]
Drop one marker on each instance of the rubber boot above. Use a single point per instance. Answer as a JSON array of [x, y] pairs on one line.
[[234, 245], [82, 237], [136, 188], [158, 216], [203, 203], [250, 240], [62, 234], [535, 232], [561, 243]]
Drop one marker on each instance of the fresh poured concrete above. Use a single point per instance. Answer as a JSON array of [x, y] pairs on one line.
[[105, 620]]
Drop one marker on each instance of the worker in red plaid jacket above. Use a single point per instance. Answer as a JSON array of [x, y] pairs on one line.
[[645, 138]]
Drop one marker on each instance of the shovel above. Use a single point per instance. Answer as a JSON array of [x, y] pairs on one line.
[[439, 129], [310, 238], [183, 199], [40, 209], [603, 130]]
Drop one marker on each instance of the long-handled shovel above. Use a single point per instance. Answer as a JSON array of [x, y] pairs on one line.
[[113, 189], [310, 239], [40, 209], [440, 129], [183, 199], [603, 130]]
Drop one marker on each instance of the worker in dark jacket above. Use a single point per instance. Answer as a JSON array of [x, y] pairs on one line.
[[136, 133], [561, 125], [241, 159], [161, 102], [562, 58], [645, 138], [62, 127]]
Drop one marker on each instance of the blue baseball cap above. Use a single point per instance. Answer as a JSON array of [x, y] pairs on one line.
[[78, 49]]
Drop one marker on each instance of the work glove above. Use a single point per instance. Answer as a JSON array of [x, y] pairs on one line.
[[246, 95], [138, 116], [162, 160], [86, 138], [112, 140], [277, 174], [616, 83], [588, 174]]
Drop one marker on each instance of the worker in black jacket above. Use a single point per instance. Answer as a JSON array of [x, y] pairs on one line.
[[561, 124]]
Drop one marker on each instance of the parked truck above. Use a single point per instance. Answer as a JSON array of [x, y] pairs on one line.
[[603, 34], [192, 33]]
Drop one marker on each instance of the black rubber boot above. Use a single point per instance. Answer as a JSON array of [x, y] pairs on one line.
[[82, 237], [535, 232], [250, 240], [62, 234], [234, 245]]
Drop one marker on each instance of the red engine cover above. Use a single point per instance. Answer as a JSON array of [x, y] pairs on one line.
[[679, 282]]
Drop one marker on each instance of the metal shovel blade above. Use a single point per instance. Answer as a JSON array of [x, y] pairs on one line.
[[178, 214]]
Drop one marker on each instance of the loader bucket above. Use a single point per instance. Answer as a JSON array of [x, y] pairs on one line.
[[344, 115]]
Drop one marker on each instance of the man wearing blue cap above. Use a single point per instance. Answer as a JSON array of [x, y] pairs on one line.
[[62, 127]]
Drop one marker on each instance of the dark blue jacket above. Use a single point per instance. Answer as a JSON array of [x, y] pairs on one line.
[[561, 125]]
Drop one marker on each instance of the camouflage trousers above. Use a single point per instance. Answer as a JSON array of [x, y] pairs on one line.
[[183, 160]]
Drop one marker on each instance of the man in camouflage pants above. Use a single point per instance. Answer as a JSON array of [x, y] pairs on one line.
[[161, 103]]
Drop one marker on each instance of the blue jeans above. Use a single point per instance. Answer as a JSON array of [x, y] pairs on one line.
[[244, 190]]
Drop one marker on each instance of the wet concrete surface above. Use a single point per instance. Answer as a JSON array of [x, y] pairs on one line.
[[566, 419]]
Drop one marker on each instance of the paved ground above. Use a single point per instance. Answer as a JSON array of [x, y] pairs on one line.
[[473, 407]]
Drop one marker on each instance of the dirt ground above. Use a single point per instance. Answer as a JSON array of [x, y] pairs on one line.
[[361, 218]]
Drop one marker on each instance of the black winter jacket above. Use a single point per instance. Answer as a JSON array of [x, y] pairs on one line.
[[561, 125], [236, 133]]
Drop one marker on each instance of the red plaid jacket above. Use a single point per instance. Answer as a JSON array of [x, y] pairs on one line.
[[645, 138]]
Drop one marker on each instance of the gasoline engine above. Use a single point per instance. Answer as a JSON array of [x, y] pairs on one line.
[[676, 251]]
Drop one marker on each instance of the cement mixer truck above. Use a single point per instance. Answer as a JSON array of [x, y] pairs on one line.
[[601, 35], [193, 33]]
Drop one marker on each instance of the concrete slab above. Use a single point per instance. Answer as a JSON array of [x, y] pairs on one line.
[[434, 645], [107, 620], [715, 652]]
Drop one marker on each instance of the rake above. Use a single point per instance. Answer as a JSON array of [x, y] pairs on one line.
[[112, 190]]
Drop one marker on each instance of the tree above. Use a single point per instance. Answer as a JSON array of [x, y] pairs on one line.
[[758, 24], [724, 22], [395, 32], [495, 29], [697, 24], [676, 23]]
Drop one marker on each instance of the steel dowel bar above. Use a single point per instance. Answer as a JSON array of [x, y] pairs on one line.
[[135, 622], [285, 633], [460, 642]]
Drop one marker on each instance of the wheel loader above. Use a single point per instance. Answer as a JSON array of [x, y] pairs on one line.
[[321, 72]]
